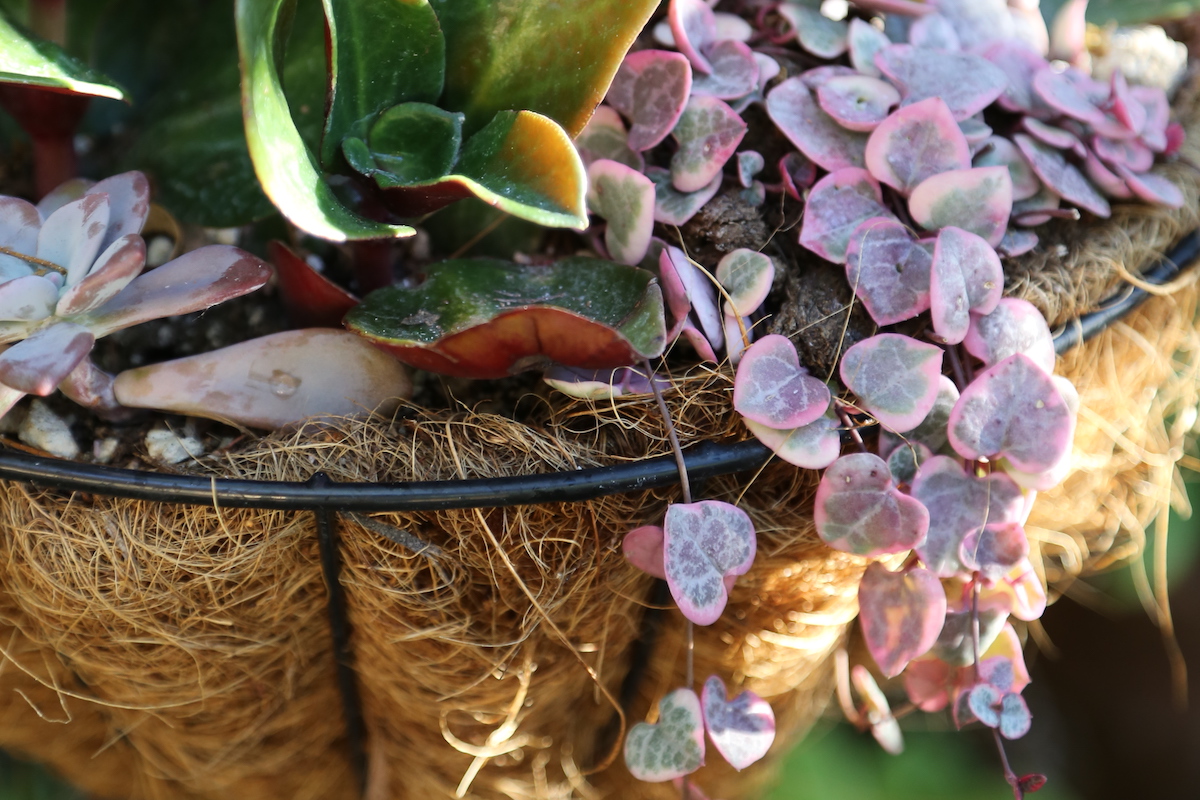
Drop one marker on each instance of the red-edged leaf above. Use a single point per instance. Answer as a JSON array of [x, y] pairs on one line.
[[742, 729], [1065, 96], [966, 82], [734, 71], [895, 377], [965, 276], [901, 614], [837, 205], [795, 112], [888, 270], [999, 151], [605, 137], [1058, 138], [858, 102], [978, 200], [858, 509], [914, 143], [687, 288], [643, 547], [624, 197], [692, 27], [1153, 188], [814, 446], [651, 89], [112, 272], [708, 133], [38, 364], [1014, 326], [772, 388], [747, 277], [704, 544], [311, 299]]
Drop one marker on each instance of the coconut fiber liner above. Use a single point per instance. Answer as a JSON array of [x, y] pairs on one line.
[[154, 650]]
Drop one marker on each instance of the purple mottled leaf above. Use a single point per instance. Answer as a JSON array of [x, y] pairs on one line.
[[38, 364], [72, 235], [128, 204], [977, 21], [1031, 211], [643, 547], [1152, 188], [1158, 115], [624, 197], [795, 112], [27, 299], [976, 132], [684, 287], [966, 82], [955, 645], [708, 132], [1105, 179], [1016, 243], [1019, 64], [673, 746], [817, 77], [119, 264], [864, 41], [747, 276], [965, 276], [734, 71], [932, 431], [1002, 152], [858, 509], [704, 543], [651, 89], [604, 136], [749, 164], [700, 343], [1124, 106], [1129, 153], [813, 446], [1064, 95], [1012, 410], [978, 200], [771, 387], [742, 729], [994, 549], [959, 504], [796, 173], [933, 31], [901, 614], [895, 377], [816, 33], [915, 143], [1058, 138], [1014, 326], [857, 102], [692, 27], [674, 207], [888, 270], [837, 205]]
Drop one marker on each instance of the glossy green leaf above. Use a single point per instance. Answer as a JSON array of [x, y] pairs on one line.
[[383, 53], [28, 60], [554, 58], [487, 318], [285, 166], [408, 144]]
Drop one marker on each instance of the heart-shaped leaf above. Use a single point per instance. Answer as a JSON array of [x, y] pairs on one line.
[[795, 112], [1019, 64], [796, 172], [708, 133], [960, 504], [905, 460], [932, 431], [929, 681], [1016, 243], [978, 200], [1006, 711], [837, 205], [994, 549], [643, 547], [814, 446], [1062, 178], [864, 41], [858, 509], [734, 71], [692, 27], [651, 89], [1064, 95], [674, 207], [747, 276], [625, 198], [1104, 178], [901, 614], [933, 32], [771, 388], [1152, 188], [895, 377], [965, 276], [704, 544], [999, 151], [915, 143], [605, 137], [817, 33], [857, 102], [1012, 410], [742, 729], [673, 746], [1013, 326], [493, 318], [889, 270], [966, 82], [749, 164], [1058, 138]]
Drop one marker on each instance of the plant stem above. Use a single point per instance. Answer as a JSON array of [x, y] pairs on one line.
[[850, 426]]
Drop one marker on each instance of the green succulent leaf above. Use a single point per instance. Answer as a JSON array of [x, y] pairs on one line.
[[30, 61], [285, 166], [408, 145], [382, 53], [554, 58], [488, 318]]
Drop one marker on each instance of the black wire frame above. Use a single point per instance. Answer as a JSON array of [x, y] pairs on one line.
[[324, 498]]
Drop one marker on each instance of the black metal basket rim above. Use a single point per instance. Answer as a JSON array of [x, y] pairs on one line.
[[704, 460]]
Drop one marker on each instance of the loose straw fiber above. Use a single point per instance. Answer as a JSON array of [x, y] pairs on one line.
[[159, 651]]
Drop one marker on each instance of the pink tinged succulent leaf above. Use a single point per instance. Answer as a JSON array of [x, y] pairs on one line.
[[1158, 115], [673, 746], [976, 132], [196, 280], [643, 547], [768, 68], [1012, 410], [837, 205], [112, 272], [1064, 95], [978, 21], [273, 381], [888, 270], [895, 377], [704, 543], [1001, 152], [604, 137], [814, 446], [38, 364], [1014, 326], [62, 194], [708, 133], [684, 283], [771, 387], [1049, 478], [960, 504], [673, 207], [742, 729], [884, 727], [747, 276], [796, 173], [1124, 106], [978, 200], [817, 77], [994, 549], [92, 387], [1129, 153], [932, 431], [734, 71], [27, 299], [749, 164], [933, 31], [1016, 243], [1175, 136], [857, 102], [651, 89], [692, 27], [72, 236], [928, 682], [1055, 137], [915, 143], [1020, 65], [859, 510], [864, 40], [965, 276], [901, 614], [700, 343], [966, 82], [815, 32], [1152, 188], [795, 112], [625, 198], [19, 226], [129, 204]]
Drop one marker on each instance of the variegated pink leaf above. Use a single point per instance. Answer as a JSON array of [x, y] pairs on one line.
[[857, 102], [915, 143], [901, 614], [624, 197], [795, 112], [674, 207], [1014, 326], [1001, 152], [837, 205], [705, 543], [965, 276], [967, 83], [813, 446], [742, 729], [673, 746], [643, 547], [685, 287], [651, 89], [692, 27], [978, 200], [747, 277], [771, 387], [734, 71], [864, 41], [858, 509], [895, 378], [889, 270], [708, 133], [816, 33], [604, 136]]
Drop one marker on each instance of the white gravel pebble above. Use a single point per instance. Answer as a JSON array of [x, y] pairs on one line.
[[168, 447], [45, 430]]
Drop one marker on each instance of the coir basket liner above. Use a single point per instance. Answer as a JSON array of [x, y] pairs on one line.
[[153, 650]]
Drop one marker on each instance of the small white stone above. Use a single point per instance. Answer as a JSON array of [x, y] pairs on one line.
[[168, 447], [45, 430], [158, 251], [103, 450], [1145, 55]]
